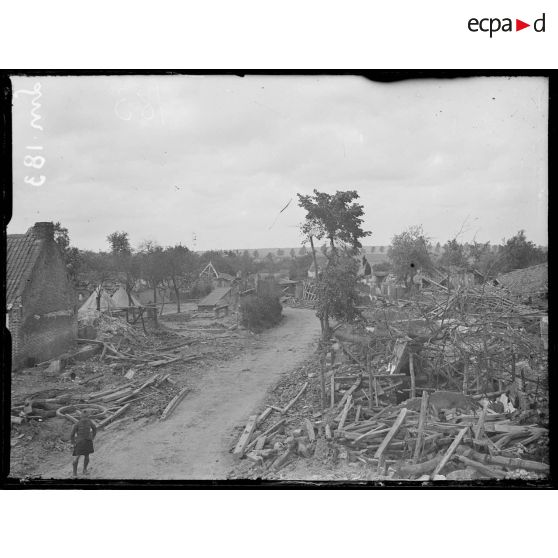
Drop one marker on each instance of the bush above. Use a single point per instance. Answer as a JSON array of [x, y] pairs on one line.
[[260, 312]]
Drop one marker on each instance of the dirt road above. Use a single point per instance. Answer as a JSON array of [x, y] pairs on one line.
[[194, 442]]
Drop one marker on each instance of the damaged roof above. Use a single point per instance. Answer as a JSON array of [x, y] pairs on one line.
[[23, 251], [528, 281], [214, 296]]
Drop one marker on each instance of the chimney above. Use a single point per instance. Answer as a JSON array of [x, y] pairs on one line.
[[44, 230]]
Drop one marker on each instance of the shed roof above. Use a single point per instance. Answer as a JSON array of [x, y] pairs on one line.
[[214, 296], [22, 253]]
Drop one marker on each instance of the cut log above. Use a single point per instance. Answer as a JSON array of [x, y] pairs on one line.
[[169, 409], [486, 471], [392, 431], [156, 363], [450, 451], [508, 462]]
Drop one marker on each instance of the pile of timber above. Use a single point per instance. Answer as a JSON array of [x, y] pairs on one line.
[[405, 442]]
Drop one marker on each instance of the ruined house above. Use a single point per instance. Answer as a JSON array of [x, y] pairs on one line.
[[41, 303]]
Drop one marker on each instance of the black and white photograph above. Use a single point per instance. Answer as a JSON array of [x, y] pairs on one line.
[[278, 278]]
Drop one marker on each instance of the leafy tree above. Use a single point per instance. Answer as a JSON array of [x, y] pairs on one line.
[[182, 269], [454, 254], [337, 218], [256, 254], [97, 267], [124, 261], [153, 265], [518, 252], [409, 252], [71, 254], [119, 243], [303, 251], [382, 266], [298, 267], [280, 252], [292, 253]]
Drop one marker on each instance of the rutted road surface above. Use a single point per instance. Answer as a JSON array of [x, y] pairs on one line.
[[194, 442]]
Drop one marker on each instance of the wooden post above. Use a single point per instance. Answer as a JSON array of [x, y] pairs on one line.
[[450, 451], [421, 426], [412, 373], [332, 391], [376, 392], [392, 432], [512, 363], [465, 376], [322, 380]]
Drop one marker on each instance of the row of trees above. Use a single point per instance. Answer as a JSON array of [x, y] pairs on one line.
[[411, 250], [175, 268]]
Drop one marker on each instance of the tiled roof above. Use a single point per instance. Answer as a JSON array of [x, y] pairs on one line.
[[214, 296], [22, 253]]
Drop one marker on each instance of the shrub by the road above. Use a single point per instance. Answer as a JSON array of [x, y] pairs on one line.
[[260, 312]]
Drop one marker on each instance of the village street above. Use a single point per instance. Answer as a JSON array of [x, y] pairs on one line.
[[194, 442]]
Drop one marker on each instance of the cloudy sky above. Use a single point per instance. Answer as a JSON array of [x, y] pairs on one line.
[[167, 158]]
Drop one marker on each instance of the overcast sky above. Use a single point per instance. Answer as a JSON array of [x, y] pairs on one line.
[[165, 158]]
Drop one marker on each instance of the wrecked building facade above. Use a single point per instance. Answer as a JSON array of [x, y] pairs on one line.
[[41, 312]]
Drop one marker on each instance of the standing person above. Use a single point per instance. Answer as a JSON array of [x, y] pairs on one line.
[[82, 436]]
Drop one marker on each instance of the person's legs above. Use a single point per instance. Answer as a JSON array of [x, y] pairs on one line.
[[85, 463], [75, 465]]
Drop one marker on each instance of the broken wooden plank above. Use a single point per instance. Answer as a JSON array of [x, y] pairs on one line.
[[399, 351], [295, 399], [332, 391], [421, 426], [392, 431], [156, 363], [169, 409], [269, 431], [264, 415], [328, 434], [357, 414], [412, 374], [260, 442], [120, 411], [406, 470], [348, 394], [310, 430], [245, 437], [478, 429], [450, 451], [345, 413]]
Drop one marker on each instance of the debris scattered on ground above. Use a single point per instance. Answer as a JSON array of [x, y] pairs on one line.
[[447, 386]]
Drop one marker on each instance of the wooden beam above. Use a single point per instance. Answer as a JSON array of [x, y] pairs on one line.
[[295, 399], [269, 431], [412, 374], [169, 409], [450, 451], [344, 413], [392, 432], [245, 437], [421, 426]]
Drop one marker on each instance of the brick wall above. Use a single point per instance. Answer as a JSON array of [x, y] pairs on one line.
[[49, 317]]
